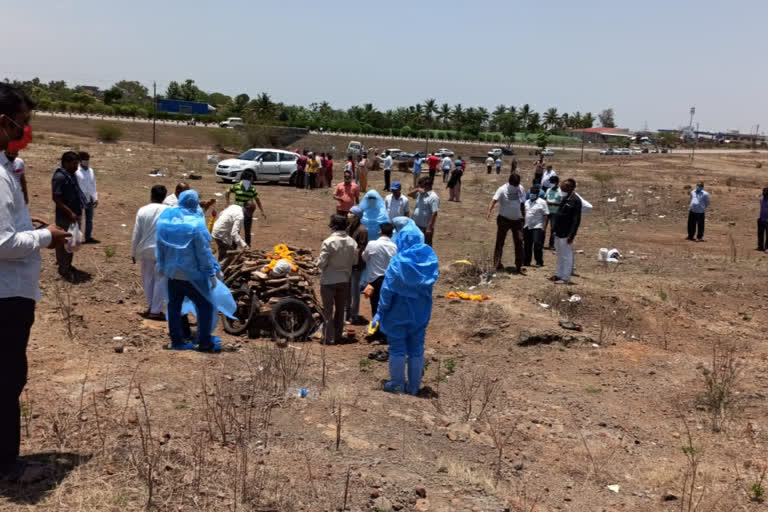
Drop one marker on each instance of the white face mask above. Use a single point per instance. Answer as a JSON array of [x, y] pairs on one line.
[[246, 184]]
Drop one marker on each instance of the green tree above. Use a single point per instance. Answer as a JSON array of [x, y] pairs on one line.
[[534, 122], [430, 109], [551, 118], [542, 139], [444, 114], [587, 120], [190, 91], [606, 118], [133, 92], [525, 115], [509, 124], [112, 95], [173, 92], [219, 99], [240, 102]]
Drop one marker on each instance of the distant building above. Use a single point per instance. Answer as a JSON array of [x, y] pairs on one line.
[[602, 135]]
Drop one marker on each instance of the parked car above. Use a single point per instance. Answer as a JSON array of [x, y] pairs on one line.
[[496, 153], [665, 150], [623, 151], [354, 148], [547, 152], [232, 122], [268, 165], [410, 156], [609, 151], [442, 152]]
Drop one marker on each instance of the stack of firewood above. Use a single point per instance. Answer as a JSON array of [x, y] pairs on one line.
[[248, 269]]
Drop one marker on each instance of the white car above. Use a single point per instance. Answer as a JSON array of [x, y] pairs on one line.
[[496, 153], [608, 151], [232, 122], [442, 152], [268, 165], [623, 151], [547, 152]]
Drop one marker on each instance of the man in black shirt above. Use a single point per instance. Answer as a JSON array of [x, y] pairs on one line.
[[69, 202], [568, 221]]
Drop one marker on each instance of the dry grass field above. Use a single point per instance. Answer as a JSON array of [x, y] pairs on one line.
[[659, 404]]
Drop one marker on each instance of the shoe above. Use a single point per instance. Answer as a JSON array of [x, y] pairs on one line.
[[183, 346], [159, 317], [213, 348], [92, 241]]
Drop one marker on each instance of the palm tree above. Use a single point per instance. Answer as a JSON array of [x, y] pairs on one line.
[[263, 105], [565, 121], [458, 114], [444, 114], [587, 120], [430, 108], [483, 115], [551, 119], [534, 122], [524, 115]]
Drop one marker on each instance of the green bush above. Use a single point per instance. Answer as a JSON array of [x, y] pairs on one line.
[[108, 132]]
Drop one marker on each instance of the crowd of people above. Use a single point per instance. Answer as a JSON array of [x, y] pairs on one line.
[[379, 248]]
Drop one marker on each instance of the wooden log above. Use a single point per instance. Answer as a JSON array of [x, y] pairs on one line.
[[259, 275], [276, 282], [277, 290]]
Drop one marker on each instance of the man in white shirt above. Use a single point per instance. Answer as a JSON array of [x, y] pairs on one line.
[[143, 249], [338, 255], [489, 163], [386, 161], [396, 203], [19, 171], [510, 198], [377, 255], [536, 212], [20, 261], [226, 229], [546, 184], [87, 181], [446, 166], [173, 199]]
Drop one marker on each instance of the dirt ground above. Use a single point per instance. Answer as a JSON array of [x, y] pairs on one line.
[[528, 417]]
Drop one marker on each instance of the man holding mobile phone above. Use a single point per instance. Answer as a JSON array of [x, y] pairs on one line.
[[20, 245]]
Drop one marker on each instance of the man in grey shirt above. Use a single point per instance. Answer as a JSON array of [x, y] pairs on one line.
[[337, 256], [426, 208]]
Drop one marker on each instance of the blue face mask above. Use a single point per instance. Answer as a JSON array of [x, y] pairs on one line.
[[699, 188]]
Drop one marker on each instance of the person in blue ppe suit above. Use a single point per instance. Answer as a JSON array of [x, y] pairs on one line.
[[405, 307], [374, 213], [185, 259]]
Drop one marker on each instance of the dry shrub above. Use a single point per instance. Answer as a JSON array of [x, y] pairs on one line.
[[720, 383]]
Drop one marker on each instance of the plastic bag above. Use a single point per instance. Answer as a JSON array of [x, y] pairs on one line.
[[213, 159], [77, 239]]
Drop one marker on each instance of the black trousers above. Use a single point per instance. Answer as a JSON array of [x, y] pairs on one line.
[[432, 173], [312, 179], [695, 225], [300, 176], [247, 224], [377, 284], [533, 240], [489, 168], [387, 178], [552, 224], [503, 225], [17, 314], [762, 233], [63, 258]]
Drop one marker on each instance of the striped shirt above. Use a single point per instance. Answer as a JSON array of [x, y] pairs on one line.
[[242, 196]]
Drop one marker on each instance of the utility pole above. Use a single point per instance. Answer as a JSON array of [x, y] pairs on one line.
[[754, 139], [154, 112], [582, 147], [690, 126]]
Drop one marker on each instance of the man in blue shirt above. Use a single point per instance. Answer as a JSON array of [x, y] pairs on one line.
[[498, 165], [417, 170], [696, 212]]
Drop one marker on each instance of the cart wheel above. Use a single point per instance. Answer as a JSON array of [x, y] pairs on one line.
[[291, 318], [246, 305]]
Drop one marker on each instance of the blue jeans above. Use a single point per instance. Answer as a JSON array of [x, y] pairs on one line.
[[88, 221], [412, 346], [177, 291]]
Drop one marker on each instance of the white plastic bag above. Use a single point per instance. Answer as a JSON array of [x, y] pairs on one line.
[[77, 239], [213, 159]]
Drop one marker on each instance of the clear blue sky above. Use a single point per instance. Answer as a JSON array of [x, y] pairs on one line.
[[649, 60]]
